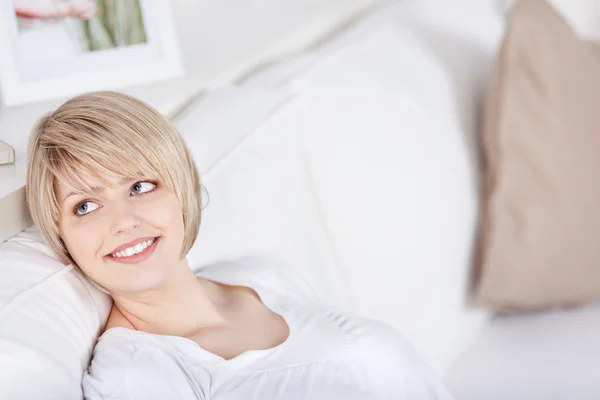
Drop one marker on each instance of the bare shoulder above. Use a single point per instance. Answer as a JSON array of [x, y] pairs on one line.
[[117, 320]]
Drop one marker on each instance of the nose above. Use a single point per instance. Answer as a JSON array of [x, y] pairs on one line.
[[124, 219]]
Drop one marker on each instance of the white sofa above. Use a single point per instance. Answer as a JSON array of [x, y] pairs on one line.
[[358, 163]]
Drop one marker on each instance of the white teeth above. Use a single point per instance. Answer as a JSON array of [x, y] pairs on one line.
[[138, 248]]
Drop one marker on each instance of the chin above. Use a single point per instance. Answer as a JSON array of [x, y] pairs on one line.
[[137, 278]]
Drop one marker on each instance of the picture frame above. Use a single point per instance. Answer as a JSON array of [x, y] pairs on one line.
[[118, 43]]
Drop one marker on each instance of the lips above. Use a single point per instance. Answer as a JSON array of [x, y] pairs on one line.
[[135, 258], [131, 244]]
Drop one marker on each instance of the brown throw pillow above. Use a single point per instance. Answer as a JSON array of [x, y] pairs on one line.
[[540, 243]]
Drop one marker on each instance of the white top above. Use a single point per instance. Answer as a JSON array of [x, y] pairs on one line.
[[328, 354]]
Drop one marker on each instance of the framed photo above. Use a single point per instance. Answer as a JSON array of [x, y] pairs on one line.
[[59, 48]]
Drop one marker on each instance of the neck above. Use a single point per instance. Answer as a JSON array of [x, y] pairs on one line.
[[181, 306]]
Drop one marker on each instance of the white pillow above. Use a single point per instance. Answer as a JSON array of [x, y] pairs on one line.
[[218, 120], [397, 185], [50, 316], [261, 200], [258, 194]]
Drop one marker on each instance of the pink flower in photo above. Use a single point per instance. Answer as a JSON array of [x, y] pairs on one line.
[[49, 9]]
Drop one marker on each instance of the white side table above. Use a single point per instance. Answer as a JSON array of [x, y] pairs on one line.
[[15, 125], [13, 212]]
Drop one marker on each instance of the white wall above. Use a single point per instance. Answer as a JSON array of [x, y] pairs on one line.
[[582, 15]]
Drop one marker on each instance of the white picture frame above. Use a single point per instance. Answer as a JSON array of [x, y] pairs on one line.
[[26, 76]]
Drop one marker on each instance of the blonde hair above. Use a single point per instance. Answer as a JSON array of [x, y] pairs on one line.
[[112, 134]]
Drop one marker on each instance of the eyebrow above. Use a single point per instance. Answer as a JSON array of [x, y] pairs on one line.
[[97, 189]]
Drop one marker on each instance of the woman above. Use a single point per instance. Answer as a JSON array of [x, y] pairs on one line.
[[113, 189]]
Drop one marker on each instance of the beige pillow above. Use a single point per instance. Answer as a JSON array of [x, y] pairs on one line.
[[540, 242]]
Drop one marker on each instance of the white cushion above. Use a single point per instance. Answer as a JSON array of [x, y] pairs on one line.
[[260, 200], [385, 147], [551, 355], [50, 317], [219, 119]]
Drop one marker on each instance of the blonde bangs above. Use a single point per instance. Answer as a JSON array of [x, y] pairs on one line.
[[72, 167]]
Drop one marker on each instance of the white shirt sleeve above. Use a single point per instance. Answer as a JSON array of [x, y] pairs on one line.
[[125, 371]]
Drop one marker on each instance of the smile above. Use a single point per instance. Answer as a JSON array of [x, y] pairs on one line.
[[134, 252], [137, 249]]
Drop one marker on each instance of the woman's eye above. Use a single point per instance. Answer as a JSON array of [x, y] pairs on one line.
[[85, 207], [142, 187]]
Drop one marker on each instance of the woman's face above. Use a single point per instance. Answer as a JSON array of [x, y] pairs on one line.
[[127, 237]]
